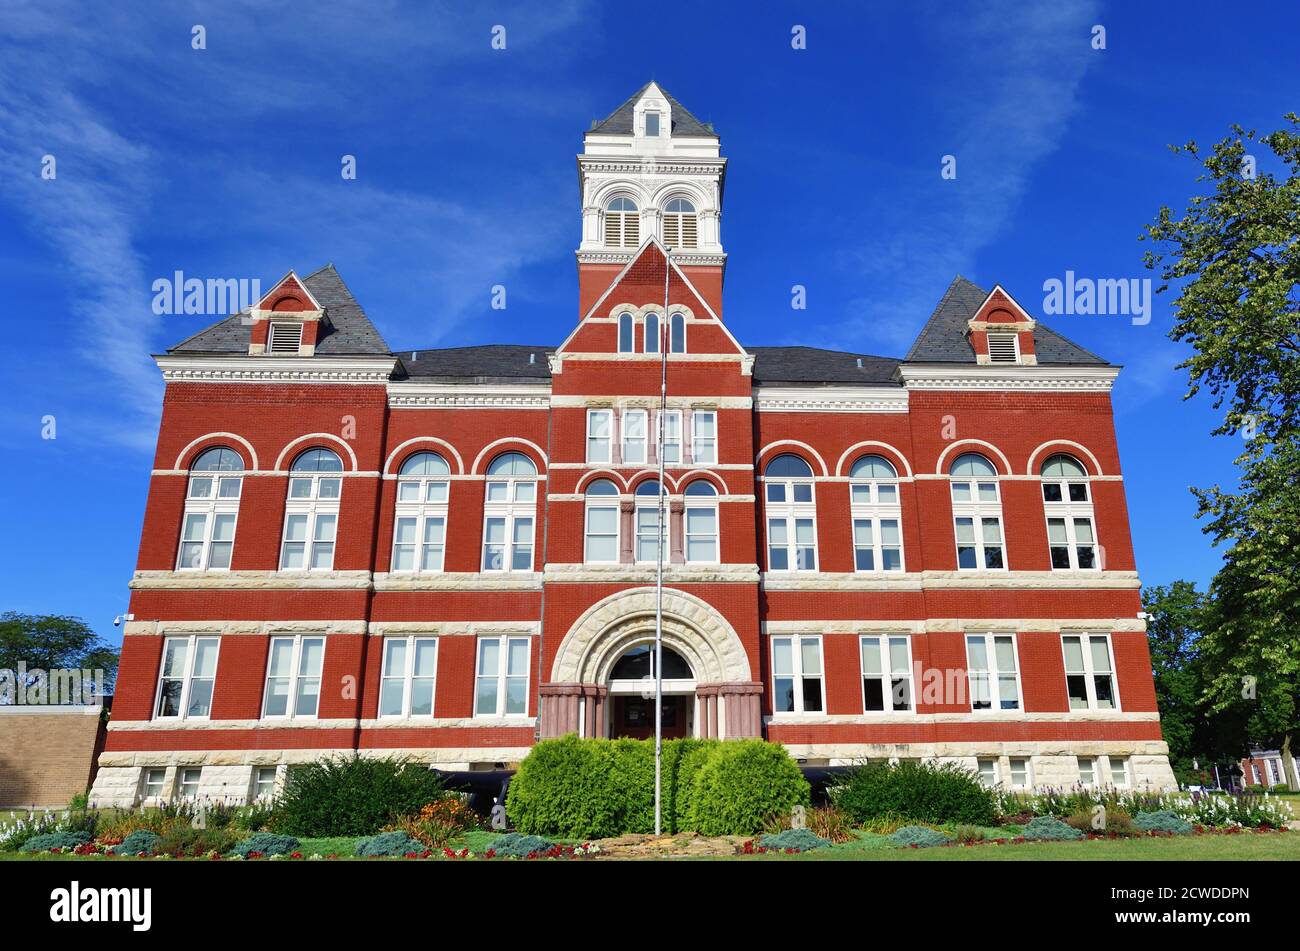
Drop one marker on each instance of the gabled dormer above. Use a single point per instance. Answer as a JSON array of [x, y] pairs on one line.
[[286, 322], [1002, 332]]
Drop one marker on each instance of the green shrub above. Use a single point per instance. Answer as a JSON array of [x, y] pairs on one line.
[[691, 757], [352, 795], [564, 787], [740, 784], [182, 841], [1162, 821], [1117, 822], [139, 841], [919, 836], [1050, 828], [519, 846], [919, 792], [22, 827], [266, 843], [55, 840], [801, 840], [389, 844]]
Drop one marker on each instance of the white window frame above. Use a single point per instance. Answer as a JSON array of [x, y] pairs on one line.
[[671, 420], [407, 676], [708, 443], [978, 511], [210, 507], [887, 676], [502, 674], [1092, 761], [1028, 771], [634, 450], [1126, 777], [866, 506], [994, 780], [797, 675], [697, 503], [145, 784], [181, 792], [627, 223], [673, 318], [511, 511], [291, 331], [254, 794], [992, 675], [789, 512], [423, 512], [596, 443], [1088, 672], [314, 508], [647, 337], [610, 503], [642, 502], [1068, 511], [295, 678], [629, 321], [187, 678]]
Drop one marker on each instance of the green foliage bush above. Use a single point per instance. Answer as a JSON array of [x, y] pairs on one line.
[[389, 844], [919, 836], [593, 789], [1162, 821], [1050, 828], [54, 840], [183, 841], [801, 840], [518, 846], [918, 792], [352, 795], [139, 841], [266, 843], [1117, 822]]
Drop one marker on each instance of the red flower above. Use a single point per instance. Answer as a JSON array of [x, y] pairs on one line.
[[490, 854], [295, 855]]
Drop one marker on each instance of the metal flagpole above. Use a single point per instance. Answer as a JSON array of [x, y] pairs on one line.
[[659, 567]]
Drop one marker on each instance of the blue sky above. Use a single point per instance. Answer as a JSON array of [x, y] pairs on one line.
[[225, 162]]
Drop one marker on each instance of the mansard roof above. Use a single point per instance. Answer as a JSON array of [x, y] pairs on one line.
[[346, 329], [492, 363], [943, 339], [620, 121]]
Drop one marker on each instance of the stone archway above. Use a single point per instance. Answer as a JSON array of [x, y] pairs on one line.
[[574, 700]]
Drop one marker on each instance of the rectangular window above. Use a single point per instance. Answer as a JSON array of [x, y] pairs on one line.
[[508, 543], [602, 534], [1089, 672], [797, 674], [406, 682], [704, 436], [647, 533], [652, 124], [1087, 771], [186, 678], [599, 426], [293, 677], [501, 682], [153, 779], [187, 784], [1119, 771], [1020, 778], [877, 545], [673, 437], [264, 783], [886, 673], [634, 435], [701, 534], [988, 771], [992, 672]]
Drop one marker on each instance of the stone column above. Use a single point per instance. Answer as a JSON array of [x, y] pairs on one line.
[[708, 697], [742, 707], [626, 531], [676, 550], [558, 709], [595, 712]]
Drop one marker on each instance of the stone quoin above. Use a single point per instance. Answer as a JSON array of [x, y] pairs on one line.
[[447, 554]]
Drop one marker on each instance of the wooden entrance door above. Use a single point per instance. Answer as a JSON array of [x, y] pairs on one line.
[[634, 717]]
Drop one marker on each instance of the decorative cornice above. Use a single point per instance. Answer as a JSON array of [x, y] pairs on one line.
[[942, 376], [417, 395], [645, 574], [661, 166], [830, 399], [259, 369], [683, 257]]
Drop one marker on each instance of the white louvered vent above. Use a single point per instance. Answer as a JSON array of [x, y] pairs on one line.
[[622, 229], [680, 231], [284, 338], [1004, 348]]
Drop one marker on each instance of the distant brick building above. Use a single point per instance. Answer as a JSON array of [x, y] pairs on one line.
[[47, 753], [448, 553], [1265, 768]]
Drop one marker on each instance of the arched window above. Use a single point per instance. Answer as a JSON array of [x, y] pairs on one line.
[[601, 523], [312, 511], [653, 333], [647, 522], [877, 515], [791, 515], [420, 529], [625, 340], [701, 515], [679, 224], [622, 224], [1071, 535], [639, 663], [509, 509], [677, 343], [977, 513], [211, 509]]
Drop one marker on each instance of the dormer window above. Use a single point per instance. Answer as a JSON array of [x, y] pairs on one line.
[[680, 228], [284, 337], [1004, 348], [652, 124], [622, 224]]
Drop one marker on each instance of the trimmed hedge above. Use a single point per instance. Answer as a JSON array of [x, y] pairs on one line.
[[592, 789], [918, 792]]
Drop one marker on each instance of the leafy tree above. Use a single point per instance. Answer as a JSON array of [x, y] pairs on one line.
[[1172, 631], [1234, 256], [54, 642]]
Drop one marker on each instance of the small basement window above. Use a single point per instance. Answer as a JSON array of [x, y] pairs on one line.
[[284, 338], [1004, 348]]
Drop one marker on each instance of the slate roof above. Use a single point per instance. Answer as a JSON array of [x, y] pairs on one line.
[[619, 122], [348, 331], [491, 363], [943, 338], [812, 365]]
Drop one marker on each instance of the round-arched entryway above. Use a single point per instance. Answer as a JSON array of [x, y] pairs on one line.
[[586, 679], [630, 711]]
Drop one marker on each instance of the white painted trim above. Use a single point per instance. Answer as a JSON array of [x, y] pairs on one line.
[[419, 395], [1001, 376], [279, 460], [830, 399], [392, 456], [1097, 470], [297, 280], [941, 470], [302, 578], [243, 368], [475, 469], [791, 442], [860, 449], [972, 579], [180, 457]]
